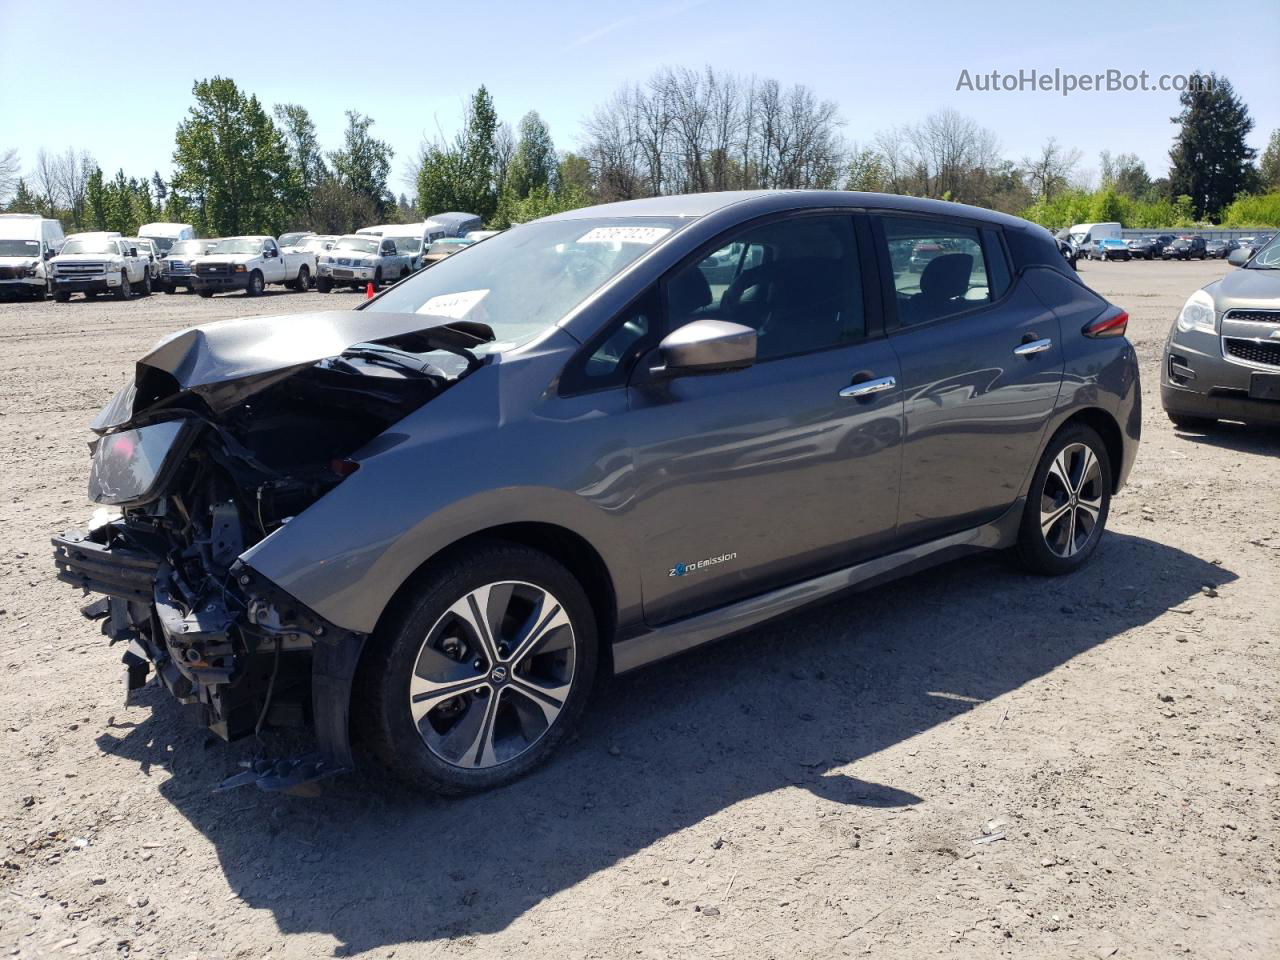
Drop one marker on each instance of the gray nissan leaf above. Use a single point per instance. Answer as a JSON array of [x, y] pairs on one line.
[[430, 525]]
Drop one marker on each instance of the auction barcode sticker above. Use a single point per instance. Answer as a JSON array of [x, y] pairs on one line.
[[646, 235], [455, 306]]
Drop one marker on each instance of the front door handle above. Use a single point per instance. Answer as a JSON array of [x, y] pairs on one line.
[[1034, 346], [867, 387]]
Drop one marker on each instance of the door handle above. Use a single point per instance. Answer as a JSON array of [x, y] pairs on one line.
[[868, 387], [1034, 346]]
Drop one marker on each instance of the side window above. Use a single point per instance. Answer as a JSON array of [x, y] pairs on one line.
[[945, 273], [388, 248], [606, 361], [795, 281], [269, 248]]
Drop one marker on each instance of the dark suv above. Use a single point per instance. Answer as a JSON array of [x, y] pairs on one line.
[[1185, 248], [586, 444]]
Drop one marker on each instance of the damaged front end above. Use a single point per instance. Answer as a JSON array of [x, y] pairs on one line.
[[226, 433]]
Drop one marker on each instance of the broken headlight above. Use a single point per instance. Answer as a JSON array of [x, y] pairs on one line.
[[133, 466]]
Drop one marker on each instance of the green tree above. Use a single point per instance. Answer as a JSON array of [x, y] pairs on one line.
[[234, 161], [299, 134], [1254, 211], [1269, 165], [1210, 160], [534, 163], [24, 201], [573, 173], [461, 174], [96, 200], [364, 162]]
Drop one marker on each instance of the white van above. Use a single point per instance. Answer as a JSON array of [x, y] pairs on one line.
[[27, 243], [1083, 234], [165, 235]]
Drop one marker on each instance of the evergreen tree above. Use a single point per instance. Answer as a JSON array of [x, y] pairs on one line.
[[364, 162], [534, 163], [231, 157], [1210, 161]]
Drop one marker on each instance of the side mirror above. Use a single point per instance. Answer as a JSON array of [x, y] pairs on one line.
[[707, 346], [1238, 257], [49, 254], [133, 251]]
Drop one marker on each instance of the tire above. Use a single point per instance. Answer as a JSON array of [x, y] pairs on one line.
[[377, 280], [125, 290], [168, 288], [205, 293], [256, 285], [61, 296], [1184, 422], [323, 284], [146, 284], [1071, 489], [303, 282], [431, 631]]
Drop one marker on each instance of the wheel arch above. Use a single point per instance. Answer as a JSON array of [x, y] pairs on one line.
[[1105, 425], [570, 549]]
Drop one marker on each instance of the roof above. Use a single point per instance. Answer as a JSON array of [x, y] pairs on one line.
[[694, 205]]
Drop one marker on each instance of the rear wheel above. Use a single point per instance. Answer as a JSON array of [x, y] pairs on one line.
[[303, 283], [482, 671], [1068, 503]]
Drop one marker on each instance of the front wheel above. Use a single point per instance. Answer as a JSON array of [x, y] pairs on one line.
[[146, 284], [482, 671], [323, 284], [1068, 503], [205, 293], [124, 291], [62, 296], [1195, 424], [256, 285]]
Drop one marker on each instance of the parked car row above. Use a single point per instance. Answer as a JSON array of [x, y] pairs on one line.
[[38, 260]]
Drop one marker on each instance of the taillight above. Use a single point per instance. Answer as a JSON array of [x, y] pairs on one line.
[[1110, 324]]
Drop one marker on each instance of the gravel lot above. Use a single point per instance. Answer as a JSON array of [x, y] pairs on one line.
[[814, 788]]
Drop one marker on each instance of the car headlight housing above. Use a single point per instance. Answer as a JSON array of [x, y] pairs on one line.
[[1198, 314], [32, 269], [240, 268]]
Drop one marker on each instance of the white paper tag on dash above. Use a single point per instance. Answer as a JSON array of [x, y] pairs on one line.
[[646, 235], [455, 306]]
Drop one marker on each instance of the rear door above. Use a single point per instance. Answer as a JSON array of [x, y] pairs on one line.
[[982, 364], [749, 480]]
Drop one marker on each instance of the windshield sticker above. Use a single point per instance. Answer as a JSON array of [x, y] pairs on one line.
[[455, 306], [646, 235]]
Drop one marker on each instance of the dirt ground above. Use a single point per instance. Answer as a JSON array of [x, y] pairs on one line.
[[818, 787]]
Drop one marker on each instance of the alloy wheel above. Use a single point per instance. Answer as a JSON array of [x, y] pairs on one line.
[[493, 674], [1071, 501]]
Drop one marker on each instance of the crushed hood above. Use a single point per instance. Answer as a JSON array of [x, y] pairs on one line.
[[228, 361]]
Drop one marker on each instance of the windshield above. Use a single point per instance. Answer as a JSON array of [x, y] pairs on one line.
[[528, 278], [237, 245], [19, 248], [290, 239], [91, 246], [188, 248], [405, 245], [163, 244], [1268, 258], [315, 243], [358, 244]]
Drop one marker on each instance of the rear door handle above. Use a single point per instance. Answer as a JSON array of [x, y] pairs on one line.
[[1035, 346], [867, 387]]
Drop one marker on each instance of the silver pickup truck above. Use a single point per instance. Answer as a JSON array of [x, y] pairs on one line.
[[359, 259]]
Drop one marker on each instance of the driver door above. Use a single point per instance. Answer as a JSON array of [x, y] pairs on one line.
[[273, 268], [753, 479]]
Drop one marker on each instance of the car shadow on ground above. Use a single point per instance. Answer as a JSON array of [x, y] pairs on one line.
[[1240, 437], [792, 704]]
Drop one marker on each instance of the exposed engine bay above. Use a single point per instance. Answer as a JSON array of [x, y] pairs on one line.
[[192, 469]]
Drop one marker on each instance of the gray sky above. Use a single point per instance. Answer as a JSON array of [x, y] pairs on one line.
[[70, 76]]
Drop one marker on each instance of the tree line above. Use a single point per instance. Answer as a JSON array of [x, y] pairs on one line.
[[240, 167]]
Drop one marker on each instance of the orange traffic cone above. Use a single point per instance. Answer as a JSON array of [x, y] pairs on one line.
[[368, 292]]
